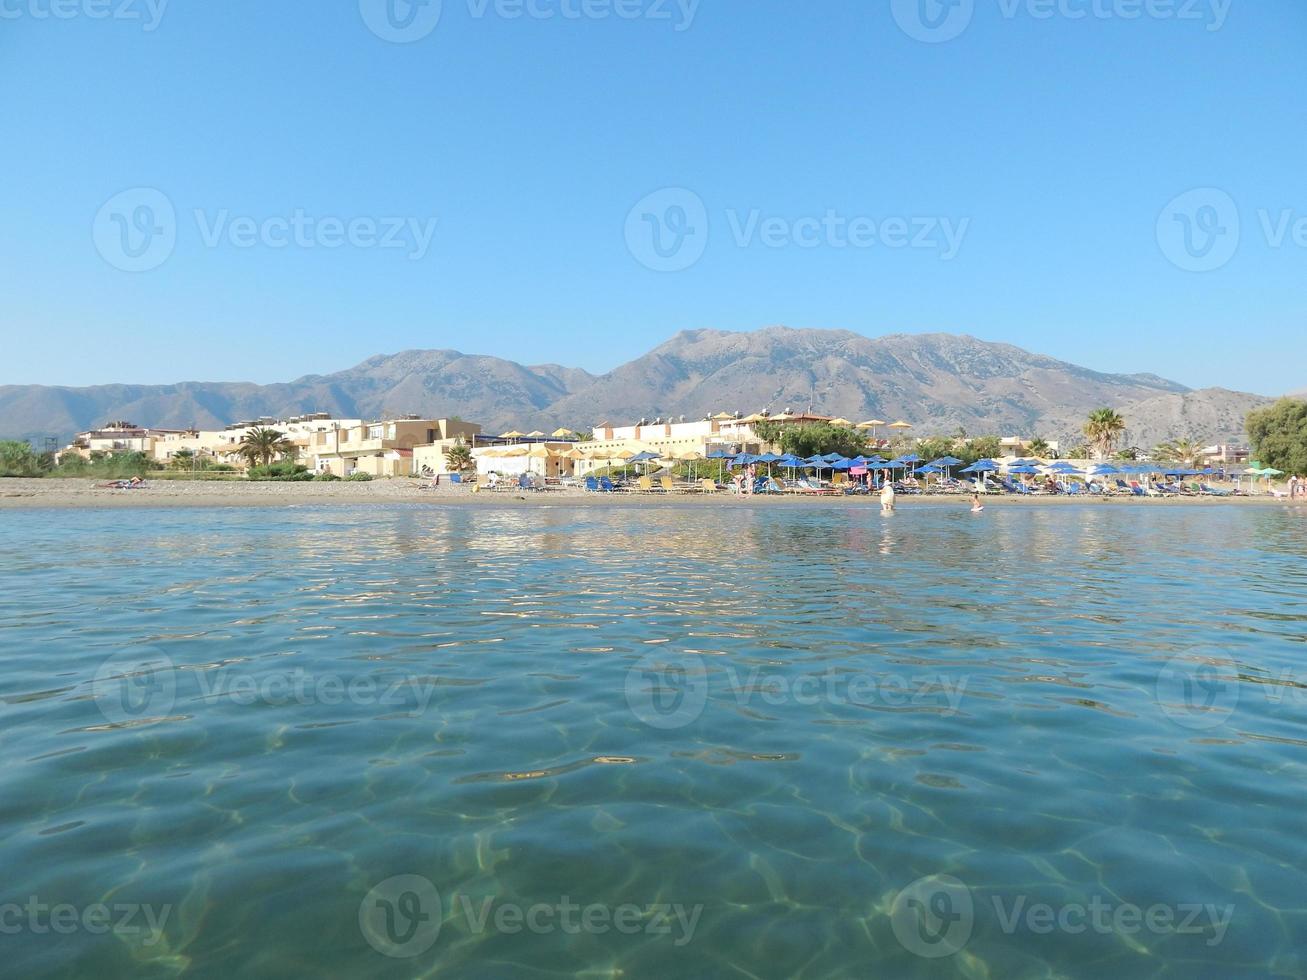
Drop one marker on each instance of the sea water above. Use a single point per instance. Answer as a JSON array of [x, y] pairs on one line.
[[727, 741]]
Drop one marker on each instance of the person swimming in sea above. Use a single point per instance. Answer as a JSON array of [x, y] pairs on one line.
[[976, 505]]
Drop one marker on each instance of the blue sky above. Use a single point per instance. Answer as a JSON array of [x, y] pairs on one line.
[[1028, 180]]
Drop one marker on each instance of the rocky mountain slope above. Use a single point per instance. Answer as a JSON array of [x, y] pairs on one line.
[[940, 382]]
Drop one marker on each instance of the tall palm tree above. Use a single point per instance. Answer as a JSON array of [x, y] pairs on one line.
[[458, 458], [1039, 447], [262, 445], [1103, 428]]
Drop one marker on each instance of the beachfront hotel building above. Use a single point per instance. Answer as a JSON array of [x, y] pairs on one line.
[[414, 446], [394, 447], [673, 438]]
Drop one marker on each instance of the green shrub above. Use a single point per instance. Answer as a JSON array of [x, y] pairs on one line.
[[284, 471], [18, 459], [360, 477], [111, 466], [326, 478]]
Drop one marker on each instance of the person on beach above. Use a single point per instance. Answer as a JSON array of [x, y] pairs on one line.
[[976, 505], [887, 497]]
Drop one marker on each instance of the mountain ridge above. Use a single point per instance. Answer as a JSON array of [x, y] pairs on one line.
[[941, 382]]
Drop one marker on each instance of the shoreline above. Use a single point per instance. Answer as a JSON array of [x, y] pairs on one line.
[[71, 494]]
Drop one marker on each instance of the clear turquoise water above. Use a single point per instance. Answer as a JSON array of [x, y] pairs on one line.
[[784, 716]]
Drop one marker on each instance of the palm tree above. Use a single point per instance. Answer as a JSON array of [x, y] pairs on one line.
[[1039, 447], [1183, 451], [262, 445], [458, 458], [1103, 427]]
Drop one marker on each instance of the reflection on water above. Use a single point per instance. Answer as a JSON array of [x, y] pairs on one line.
[[780, 717]]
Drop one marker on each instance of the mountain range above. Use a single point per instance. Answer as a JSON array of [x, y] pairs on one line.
[[939, 382]]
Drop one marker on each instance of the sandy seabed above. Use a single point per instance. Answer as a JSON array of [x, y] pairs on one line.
[[26, 494]]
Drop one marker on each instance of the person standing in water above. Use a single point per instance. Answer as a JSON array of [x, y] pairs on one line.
[[887, 497], [976, 505]]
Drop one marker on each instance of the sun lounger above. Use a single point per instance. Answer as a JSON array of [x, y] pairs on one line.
[[806, 486]]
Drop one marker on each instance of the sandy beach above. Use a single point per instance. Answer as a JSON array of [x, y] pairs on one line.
[[80, 493]]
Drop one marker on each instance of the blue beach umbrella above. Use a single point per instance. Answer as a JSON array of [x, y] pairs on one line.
[[980, 467]]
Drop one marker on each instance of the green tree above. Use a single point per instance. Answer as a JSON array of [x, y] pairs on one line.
[[1103, 428], [935, 448], [458, 458], [1279, 435], [1039, 447], [981, 447], [1079, 452], [770, 432], [18, 459], [818, 438], [1182, 451], [262, 445]]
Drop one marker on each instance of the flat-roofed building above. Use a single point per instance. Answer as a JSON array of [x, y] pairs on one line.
[[384, 448]]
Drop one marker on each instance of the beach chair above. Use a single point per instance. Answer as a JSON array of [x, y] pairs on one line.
[[805, 486], [708, 486], [666, 483], [591, 484], [645, 485], [606, 485], [1212, 491]]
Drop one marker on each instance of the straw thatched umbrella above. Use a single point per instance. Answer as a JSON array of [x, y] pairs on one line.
[[690, 456]]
